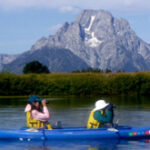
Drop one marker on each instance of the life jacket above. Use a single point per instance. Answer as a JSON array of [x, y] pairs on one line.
[[92, 123], [32, 123]]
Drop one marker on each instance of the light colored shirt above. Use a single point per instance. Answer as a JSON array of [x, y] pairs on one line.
[[41, 116]]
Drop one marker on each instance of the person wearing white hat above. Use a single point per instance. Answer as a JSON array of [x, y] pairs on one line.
[[102, 114]]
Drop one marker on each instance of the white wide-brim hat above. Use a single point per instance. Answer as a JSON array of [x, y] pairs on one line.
[[100, 104]]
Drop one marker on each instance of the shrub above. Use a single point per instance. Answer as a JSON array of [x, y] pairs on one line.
[[75, 84], [35, 67]]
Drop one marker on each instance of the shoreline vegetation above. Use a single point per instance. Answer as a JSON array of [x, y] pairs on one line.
[[77, 84]]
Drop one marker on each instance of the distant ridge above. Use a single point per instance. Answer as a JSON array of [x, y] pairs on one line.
[[57, 60], [97, 39], [5, 59]]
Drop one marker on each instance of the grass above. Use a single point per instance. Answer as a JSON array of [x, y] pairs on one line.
[[75, 84]]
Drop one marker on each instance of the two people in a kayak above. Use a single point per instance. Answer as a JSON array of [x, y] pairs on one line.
[[37, 114]]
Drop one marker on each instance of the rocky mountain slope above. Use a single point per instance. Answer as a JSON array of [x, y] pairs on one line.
[[98, 39], [102, 41], [5, 59], [57, 60]]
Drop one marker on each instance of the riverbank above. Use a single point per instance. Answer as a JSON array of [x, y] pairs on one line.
[[75, 84]]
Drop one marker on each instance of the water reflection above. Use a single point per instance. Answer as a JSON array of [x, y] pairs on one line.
[[74, 112], [76, 145], [142, 101], [66, 145]]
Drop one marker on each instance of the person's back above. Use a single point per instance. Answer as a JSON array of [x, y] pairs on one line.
[[101, 115]]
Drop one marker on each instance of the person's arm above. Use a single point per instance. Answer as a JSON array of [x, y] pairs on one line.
[[103, 119], [42, 116]]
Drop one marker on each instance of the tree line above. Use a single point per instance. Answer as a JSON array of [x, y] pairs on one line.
[[75, 84], [37, 67]]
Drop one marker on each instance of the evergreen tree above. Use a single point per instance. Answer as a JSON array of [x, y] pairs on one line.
[[108, 70], [35, 67]]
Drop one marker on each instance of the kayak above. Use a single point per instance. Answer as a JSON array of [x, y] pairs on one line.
[[120, 132]]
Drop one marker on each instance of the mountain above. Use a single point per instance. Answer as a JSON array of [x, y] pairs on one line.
[[96, 39], [102, 41], [5, 59], [56, 59]]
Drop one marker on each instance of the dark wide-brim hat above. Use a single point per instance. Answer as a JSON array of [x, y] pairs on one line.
[[34, 98]]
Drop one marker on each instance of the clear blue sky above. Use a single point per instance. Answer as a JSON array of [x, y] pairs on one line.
[[23, 22]]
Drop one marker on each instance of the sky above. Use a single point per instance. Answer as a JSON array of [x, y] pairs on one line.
[[23, 22]]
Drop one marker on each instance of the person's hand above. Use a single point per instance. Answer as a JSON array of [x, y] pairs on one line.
[[44, 102]]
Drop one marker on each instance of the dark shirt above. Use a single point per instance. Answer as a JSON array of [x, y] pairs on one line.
[[106, 118]]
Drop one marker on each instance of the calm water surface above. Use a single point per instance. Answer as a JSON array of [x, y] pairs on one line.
[[74, 112]]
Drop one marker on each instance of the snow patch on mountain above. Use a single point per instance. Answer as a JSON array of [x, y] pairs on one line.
[[91, 39], [87, 30], [100, 40]]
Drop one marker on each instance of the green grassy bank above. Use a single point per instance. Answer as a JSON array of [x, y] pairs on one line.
[[75, 84]]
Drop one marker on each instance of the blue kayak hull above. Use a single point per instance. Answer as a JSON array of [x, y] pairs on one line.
[[76, 133]]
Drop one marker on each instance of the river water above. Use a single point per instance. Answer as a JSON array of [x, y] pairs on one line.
[[74, 112]]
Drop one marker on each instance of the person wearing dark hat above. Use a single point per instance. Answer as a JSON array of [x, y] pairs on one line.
[[36, 116], [101, 115]]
